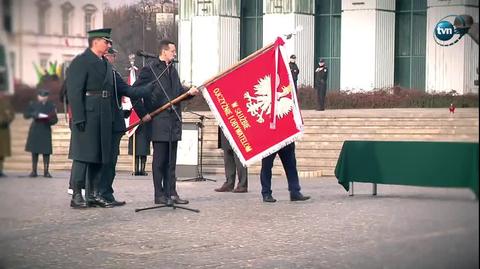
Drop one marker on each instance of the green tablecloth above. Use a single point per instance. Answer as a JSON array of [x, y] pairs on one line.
[[435, 164]]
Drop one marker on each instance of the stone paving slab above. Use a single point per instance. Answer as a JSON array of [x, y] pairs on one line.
[[403, 227]]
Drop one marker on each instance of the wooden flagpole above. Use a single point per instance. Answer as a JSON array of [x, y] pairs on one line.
[[216, 77]]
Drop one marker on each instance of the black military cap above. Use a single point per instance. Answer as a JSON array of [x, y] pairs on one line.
[[293, 56], [43, 92], [104, 33]]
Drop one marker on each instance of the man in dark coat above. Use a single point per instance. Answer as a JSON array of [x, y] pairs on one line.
[[321, 73], [90, 90], [294, 69], [166, 128], [39, 141], [7, 115]]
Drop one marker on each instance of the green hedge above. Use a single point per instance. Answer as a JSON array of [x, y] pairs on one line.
[[385, 98]]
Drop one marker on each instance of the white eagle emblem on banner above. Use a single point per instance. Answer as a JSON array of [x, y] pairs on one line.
[[260, 104]]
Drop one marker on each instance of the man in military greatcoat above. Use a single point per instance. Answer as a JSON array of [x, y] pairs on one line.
[[90, 92], [39, 140]]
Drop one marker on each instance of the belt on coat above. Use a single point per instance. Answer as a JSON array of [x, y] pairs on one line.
[[103, 94]]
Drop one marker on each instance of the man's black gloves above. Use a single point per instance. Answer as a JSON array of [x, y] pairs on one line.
[[80, 126]]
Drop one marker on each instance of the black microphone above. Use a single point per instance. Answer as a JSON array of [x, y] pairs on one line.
[[146, 54]]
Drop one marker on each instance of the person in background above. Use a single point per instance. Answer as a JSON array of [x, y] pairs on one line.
[[233, 166], [39, 140], [289, 162], [294, 69], [7, 115], [321, 74]]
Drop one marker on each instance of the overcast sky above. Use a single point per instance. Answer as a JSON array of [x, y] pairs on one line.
[[118, 3]]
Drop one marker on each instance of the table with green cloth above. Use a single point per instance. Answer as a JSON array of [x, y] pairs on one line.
[[417, 163]]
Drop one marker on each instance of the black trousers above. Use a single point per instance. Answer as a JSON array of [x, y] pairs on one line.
[[163, 168], [108, 169], [321, 93], [82, 171]]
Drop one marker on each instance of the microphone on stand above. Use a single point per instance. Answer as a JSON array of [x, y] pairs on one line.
[[146, 54], [151, 55]]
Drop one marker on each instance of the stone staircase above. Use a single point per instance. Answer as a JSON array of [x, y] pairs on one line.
[[316, 152]]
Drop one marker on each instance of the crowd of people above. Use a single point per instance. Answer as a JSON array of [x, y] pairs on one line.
[[93, 92]]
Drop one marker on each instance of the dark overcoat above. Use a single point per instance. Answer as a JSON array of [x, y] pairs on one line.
[[166, 126], [142, 142], [39, 138], [87, 72], [6, 117]]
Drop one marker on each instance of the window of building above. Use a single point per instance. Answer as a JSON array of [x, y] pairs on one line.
[[410, 43], [251, 26], [206, 7], [67, 11], [327, 38], [7, 15], [3, 70], [43, 15], [278, 6], [90, 11], [44, 57], [187, 10]]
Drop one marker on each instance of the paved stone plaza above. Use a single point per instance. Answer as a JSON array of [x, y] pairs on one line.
[[403, 227]]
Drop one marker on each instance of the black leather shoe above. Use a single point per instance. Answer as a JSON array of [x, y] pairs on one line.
[[101, 202], [115, 202], [269, 199], [160, 201], [298, 197], [177, 200], [77, 201], [47, 174], [169, 202], [2, 174], [33, 174]]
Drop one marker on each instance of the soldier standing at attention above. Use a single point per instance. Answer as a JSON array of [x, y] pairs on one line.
[[92, 96], [89, 91], [39, 141]]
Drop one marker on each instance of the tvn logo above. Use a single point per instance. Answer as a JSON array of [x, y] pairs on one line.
[[449, 30]]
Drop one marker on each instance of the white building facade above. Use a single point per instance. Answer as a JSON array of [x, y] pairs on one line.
[[367, 45], [41, 32]]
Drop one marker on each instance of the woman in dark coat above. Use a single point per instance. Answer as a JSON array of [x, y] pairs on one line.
[[39, 141], [142, 149]]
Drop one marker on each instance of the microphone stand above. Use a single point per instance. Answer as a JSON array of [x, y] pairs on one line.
[[168, 180], [200, 125]]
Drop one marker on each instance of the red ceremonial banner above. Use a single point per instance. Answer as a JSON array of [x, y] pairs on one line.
[[243, 99]]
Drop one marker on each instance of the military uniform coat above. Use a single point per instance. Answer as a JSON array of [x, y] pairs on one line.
[[87, 72], [6, 117], [166, 126], [40, 133]]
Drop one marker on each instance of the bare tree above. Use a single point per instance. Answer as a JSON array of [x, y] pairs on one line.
[[135, 27]]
